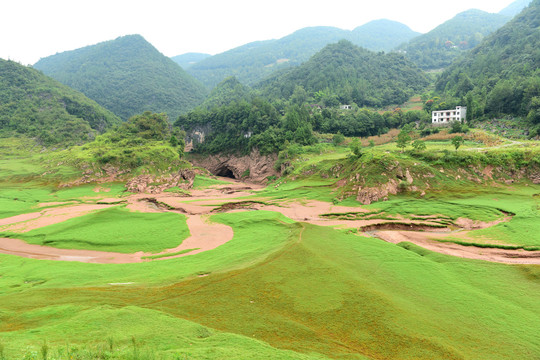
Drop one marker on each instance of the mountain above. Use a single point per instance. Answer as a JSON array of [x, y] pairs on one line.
[[189, 59], [252, 62], [501, 75], [381, 35], [228, 91], [348, 73], [439, 47], [35, 105], [515, 8], [127, 76]]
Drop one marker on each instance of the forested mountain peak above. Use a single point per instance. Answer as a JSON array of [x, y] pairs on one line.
[[127, 76], [439, 47], [228, 91], [252, 62], [345, 73], [35, 105], [501, 76]]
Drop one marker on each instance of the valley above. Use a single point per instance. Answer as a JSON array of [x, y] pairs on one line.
[[371, 193]]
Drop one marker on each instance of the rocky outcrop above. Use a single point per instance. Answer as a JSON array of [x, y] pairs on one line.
[[372, 194], [153, 184], [254, 167]]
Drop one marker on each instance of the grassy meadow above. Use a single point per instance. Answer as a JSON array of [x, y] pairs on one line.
[[282, 285], [279, 289]]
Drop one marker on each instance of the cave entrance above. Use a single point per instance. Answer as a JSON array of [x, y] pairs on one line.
[[225, 172]]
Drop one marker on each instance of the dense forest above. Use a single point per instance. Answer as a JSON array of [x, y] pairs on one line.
[[127, 76], [439, 47], [38, 106], [252, 62], [501, 76], [228, 91], [343, 73]]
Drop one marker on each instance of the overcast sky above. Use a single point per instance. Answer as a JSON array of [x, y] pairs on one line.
[[32, 29]]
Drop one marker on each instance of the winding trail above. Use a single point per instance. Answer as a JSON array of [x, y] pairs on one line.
[[206, 235]]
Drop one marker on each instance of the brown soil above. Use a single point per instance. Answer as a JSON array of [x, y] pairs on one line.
[[423, 239], [50, 216]]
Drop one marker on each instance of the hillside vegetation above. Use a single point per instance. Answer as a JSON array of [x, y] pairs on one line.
[[228, 91], [189, 59], [34, 105], [253, 62], [439, 47], [127, 76], [345, 73], [500, 76]]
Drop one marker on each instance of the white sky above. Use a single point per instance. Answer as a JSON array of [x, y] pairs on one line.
[[32, 29]]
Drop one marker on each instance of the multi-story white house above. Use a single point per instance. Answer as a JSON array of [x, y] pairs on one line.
[[448, 116]]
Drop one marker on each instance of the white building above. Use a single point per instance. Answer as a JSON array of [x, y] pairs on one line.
[[448, 116]]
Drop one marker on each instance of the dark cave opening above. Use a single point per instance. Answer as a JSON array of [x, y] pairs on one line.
[[225, 172]]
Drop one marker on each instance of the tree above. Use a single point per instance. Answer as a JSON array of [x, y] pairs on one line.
[[404, 137], [338, 139], [419, 145], [356, 148], [457, 141], [299, 96]]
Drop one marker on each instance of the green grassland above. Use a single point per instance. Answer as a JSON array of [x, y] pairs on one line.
[[202, 182], [115, 229], [313, 290], [281, 289]]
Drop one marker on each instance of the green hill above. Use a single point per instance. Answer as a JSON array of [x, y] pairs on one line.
[[345, 73], [439, 47], [252, 62], [35, 105], [501, 75], [189, 59], [127, 76], [226, 92]]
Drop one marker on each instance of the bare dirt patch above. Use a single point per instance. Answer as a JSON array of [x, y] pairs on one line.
[[51, 216], [423, 239]]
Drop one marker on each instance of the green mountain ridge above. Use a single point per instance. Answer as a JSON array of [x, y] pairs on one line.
[[36, 105], [352, 74], [228, 91], [253, 62], [501, 76], [127, 76], [189, 59], [439, 47]]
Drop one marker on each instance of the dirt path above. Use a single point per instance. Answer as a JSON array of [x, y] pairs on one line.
[[206, 235]]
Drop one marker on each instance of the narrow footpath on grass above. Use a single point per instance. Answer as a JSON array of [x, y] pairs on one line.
[[205, 235]]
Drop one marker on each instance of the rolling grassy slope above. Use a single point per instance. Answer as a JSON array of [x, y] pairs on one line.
[[309, 289]]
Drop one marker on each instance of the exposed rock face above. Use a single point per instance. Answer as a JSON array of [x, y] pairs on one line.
[[154, 184], [254, 167], [197, 136], [372, 194]]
